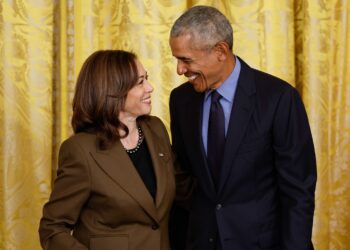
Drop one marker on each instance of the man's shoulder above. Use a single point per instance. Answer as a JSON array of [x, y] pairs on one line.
[[183, 94], [259, 75], [270, 87], [184, 88], [263, 84], [266, 82], [264, 79]]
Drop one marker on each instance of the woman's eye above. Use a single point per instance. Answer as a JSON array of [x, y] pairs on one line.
[[142, 79]]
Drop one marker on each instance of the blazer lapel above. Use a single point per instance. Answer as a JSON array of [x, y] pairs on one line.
[[116, 163], [241, 112], [158, 159]]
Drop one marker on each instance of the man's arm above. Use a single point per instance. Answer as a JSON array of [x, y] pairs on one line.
[[296, 167], [179, 215]]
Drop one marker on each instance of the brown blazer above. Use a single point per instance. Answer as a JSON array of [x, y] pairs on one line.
[[99, 201]]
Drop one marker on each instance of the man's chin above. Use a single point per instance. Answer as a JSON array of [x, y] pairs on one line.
[[198, 85], [199, 89]]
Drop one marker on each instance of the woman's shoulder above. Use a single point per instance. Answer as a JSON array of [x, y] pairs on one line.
[[155, 124], [81, 140], [153, 121]]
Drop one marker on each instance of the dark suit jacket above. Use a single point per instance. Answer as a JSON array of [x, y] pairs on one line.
[[265, 198], [101, 197]]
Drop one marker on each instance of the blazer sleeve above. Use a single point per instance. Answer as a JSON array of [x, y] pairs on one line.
[[70, 191], [296, 167]]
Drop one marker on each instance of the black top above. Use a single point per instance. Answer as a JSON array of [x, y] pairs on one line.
[[143, 164]]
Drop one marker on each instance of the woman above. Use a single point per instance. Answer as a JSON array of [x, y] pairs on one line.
[[115, 180]]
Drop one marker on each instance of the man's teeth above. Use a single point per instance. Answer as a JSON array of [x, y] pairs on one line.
[[191, 78]]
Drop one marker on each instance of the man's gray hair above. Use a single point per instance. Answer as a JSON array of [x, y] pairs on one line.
[[207, 26]]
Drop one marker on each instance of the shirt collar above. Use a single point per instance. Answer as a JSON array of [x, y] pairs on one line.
[[228, 87]]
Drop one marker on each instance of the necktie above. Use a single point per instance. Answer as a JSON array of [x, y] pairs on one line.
[[216, 136]]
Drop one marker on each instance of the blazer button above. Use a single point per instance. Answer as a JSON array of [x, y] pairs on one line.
[[211, 240], [155, 226], [218, 206]]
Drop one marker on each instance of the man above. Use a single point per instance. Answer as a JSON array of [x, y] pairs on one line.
[[244, 136]]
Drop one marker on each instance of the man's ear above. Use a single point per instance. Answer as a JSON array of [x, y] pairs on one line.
[[222, 50]]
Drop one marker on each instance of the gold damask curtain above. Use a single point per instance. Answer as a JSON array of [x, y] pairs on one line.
[[44, 42]]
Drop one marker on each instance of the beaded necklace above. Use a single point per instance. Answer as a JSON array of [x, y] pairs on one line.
[[139, 142]]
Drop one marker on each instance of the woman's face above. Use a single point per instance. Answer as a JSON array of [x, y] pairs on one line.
[[138, 99]]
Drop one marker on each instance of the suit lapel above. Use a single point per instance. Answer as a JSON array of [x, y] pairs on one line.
[[193, 123], [241, 112], [116, 163]]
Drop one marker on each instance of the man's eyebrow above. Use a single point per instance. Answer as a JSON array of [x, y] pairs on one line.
[[183, 58]]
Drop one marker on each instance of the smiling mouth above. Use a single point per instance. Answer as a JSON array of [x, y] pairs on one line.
[[192, 77], [147, 100]]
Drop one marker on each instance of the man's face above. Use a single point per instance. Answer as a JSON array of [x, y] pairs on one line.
[[202, 67]]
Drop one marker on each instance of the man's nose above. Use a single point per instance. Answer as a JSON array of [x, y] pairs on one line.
[[181, 68]]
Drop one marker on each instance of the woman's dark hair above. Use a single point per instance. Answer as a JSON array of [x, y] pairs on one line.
[[101, 89]]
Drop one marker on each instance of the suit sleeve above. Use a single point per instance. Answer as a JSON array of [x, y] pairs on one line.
[[179, 214], [70, 191], [296, 167], [184, 181]]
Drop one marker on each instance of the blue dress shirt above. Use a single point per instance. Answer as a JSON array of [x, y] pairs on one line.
[[227, 90]]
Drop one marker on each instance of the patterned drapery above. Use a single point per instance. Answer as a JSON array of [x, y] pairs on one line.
[[44, 42]]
